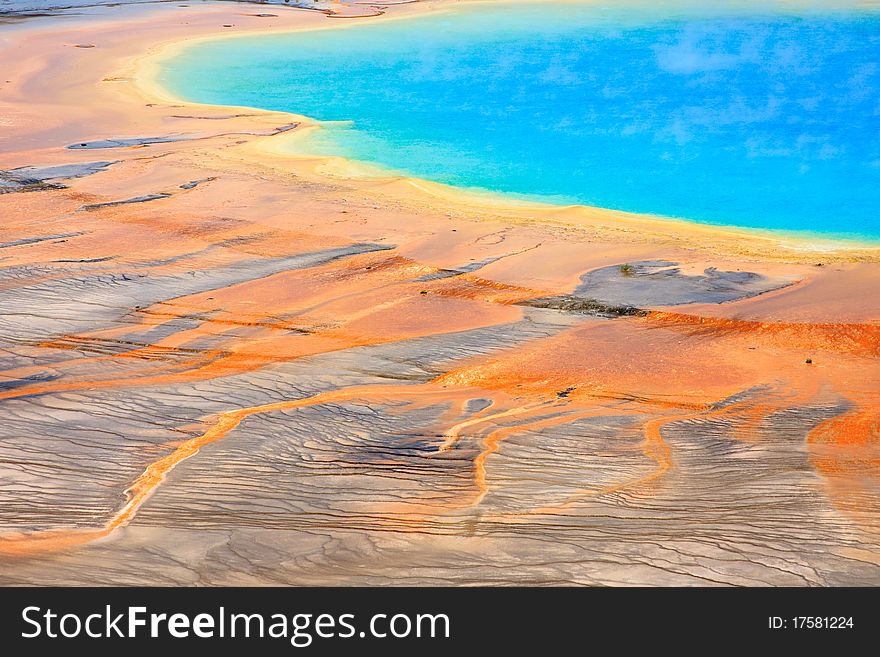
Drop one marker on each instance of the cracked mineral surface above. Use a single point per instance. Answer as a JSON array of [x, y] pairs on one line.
[[219, 365]]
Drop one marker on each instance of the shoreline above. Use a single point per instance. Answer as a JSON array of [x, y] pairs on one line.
[[148, 68]]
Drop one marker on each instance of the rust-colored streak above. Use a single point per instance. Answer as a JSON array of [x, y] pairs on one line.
[[845, 451], [22, 544], [269, 261], [452, 436], [25, 544], [656, 449], [492, 442], [653, 446], [364, 300], [862, 339]]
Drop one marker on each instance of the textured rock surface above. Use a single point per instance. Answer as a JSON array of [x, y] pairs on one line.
[[273, 376]]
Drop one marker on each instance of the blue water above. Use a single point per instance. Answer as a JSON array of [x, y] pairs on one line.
[[722, 115]]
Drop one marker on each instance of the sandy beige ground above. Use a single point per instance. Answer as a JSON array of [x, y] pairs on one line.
[[280, 374]]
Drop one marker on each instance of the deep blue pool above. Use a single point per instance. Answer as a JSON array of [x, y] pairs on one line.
[[729, 115]]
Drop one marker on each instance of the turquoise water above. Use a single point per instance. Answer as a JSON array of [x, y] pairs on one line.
[[722, 116]]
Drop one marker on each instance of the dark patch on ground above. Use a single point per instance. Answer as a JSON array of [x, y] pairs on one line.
[[284, 128], [661, 283], [572, 304], [28, 380], [129, 142], [192, 184], [14, 16], [13, 184], [136, 199], [34, 179], [62, 171], [124, 143], [477, 405], [458, 271], [87, 260], [34, 240], [209, 118]]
